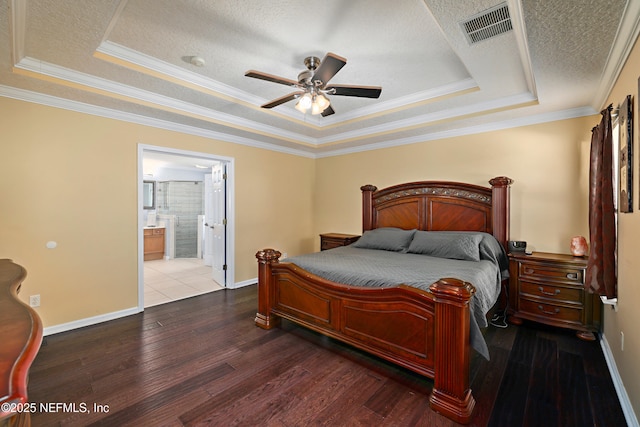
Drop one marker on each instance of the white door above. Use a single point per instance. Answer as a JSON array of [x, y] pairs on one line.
[[207, 233], [215, 223]]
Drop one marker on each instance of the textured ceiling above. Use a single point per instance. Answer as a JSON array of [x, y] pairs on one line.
[[129, 59]]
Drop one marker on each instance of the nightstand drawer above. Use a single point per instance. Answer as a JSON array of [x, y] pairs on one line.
[[330, 244], [552, 292], [550, 311], [335, 240], [550, 273]]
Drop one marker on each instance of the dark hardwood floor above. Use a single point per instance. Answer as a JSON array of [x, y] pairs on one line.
[[202, 361]]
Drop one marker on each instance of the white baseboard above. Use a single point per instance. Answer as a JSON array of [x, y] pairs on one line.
[[627, 409], [56, 329], [242, 284]]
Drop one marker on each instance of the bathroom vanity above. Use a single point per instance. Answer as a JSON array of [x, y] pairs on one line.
[[153, 243]]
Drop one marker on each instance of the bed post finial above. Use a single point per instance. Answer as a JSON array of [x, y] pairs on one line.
[[451, 395], [266, 258], [367, 206], [500, 195]]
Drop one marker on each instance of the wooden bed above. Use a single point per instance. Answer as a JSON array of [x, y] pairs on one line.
[[426, 332]]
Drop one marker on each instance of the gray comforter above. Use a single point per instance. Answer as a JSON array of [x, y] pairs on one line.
[[380, 268]]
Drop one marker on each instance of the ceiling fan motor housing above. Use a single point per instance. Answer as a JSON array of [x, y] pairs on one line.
[[312, 62], [305, 76]]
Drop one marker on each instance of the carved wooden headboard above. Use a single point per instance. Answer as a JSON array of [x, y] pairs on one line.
[[439, 206]]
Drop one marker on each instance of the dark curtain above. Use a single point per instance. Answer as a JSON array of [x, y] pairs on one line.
[[601, 267]]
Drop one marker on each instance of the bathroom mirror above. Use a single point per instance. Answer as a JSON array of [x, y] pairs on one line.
[[148, 194]]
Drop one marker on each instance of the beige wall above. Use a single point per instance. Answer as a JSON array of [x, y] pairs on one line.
[[627, 318], [72, 178], [548, 197]]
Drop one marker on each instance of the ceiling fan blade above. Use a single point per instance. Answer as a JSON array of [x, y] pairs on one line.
[[360, 91], [327, 111], [270, 78], [282, 100], [328, 68]]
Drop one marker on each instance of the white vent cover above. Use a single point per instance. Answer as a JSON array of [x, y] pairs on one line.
[[487, 24]]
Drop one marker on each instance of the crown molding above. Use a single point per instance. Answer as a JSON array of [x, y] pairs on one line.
[[470, 130], [402, 103], [18, 24], [124, 56], [48, 71], [520, 32], [626, 36], [428, 119], [79, 107], [52, 101], [39, 69], [113, 50]]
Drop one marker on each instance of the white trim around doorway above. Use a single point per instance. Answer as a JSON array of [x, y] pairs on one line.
[[230, 208]]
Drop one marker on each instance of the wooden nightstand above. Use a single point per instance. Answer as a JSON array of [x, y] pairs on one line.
[[333, 240], [549, 288]]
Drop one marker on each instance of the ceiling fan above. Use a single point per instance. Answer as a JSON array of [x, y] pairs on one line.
[[313, 86]]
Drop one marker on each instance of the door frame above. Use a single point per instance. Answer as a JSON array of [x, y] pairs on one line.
[[230, 209]]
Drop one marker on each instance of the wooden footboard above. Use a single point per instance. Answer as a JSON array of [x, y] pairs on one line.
[[426, 332]]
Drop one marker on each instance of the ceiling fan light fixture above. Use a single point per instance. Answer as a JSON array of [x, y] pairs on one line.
[[315, 109], [323, 101], [320, 103], [304, 103]]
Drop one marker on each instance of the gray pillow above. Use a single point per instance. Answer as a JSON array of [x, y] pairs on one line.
[[386, 238], [443, 244]]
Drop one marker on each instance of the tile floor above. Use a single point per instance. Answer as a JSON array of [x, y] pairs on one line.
[[175, 279]]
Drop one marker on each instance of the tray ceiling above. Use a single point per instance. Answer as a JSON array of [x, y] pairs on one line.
[[131, 60]]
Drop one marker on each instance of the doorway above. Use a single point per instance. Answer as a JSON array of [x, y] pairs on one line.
[[192, 211]]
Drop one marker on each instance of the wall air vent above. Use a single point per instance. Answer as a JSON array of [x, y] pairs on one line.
[[487, 24]]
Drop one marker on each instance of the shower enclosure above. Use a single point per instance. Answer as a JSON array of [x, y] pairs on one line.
[[183, 200]]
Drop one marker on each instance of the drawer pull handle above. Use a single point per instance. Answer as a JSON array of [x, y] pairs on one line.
[[572, 276], [542, 291], [528, 270], [555, 311]]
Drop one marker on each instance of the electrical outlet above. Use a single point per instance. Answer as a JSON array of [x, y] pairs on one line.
[[34, 300], [621, 341], [283, 256]]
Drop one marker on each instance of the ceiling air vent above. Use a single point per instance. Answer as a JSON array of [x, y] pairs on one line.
[[487, 24]]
